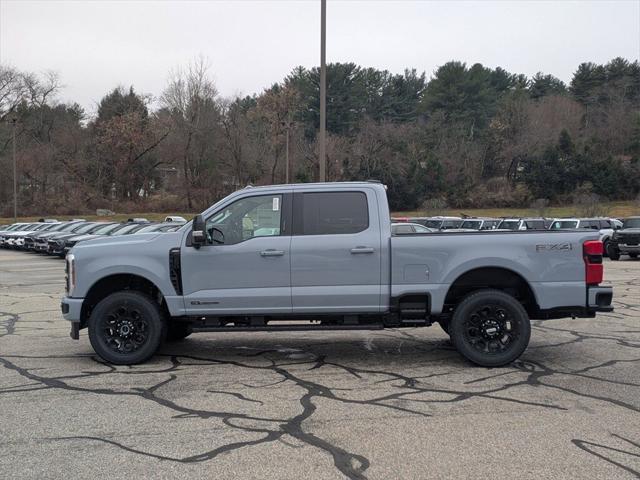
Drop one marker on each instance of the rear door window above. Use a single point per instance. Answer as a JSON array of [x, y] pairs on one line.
[[330, 213]]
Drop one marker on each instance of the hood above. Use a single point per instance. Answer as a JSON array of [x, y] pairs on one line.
[[119, 240], [62, 236], [83, 237], [47, 234], [633, 231], [16, 233]]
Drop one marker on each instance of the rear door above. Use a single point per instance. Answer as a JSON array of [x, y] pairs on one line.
[[335, 252]]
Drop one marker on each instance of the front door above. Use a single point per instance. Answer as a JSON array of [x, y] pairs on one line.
[[335, 252], [245, 266]]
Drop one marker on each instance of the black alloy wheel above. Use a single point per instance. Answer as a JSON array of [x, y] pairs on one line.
[[490, 328], [126, 328]]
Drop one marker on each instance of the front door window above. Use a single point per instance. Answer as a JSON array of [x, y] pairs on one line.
[[246, 218]]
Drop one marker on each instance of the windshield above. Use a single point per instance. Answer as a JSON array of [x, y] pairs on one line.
[[57, 227], [128, 229], [96, 227], [448, 224], [421, 229], [69, 226], [433, 223], [49, 227], [472, 224], [105, 229], [564, 224], [631, 223], [150, 228], [510, 224], [83, 228]]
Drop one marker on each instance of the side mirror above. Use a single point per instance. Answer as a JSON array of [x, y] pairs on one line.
[[198, 234]]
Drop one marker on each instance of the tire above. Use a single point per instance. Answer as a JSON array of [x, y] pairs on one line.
[[490, 328], [605, 248], [444, 324], [177, 331], [126, 328], [614, 253]]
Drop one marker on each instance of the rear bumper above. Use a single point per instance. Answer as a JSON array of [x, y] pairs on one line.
[[599, 299]]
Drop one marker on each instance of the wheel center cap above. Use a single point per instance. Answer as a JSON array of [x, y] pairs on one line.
[[125, 329], [491, 329]]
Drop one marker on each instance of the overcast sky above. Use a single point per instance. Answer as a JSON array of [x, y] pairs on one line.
[[97, 45]]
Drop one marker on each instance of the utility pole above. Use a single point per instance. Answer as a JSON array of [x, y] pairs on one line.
[[323, 90], [14, 120], [287, 124]]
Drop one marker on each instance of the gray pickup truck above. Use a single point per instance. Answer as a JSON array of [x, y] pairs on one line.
[[322, 257]]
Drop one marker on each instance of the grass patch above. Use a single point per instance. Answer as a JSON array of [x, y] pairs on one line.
[[612, 209]]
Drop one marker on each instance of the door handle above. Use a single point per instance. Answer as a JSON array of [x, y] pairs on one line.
[[271, 253], [362, 250]]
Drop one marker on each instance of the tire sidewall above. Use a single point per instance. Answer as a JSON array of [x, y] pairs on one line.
[[149, 309], [474, 301]]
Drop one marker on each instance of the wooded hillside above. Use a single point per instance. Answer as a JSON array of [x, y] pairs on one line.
[[468, 136]]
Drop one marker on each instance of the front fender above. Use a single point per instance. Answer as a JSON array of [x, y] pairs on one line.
[[144, 255]]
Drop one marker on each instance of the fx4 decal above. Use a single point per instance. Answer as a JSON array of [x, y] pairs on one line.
[[547, 247]]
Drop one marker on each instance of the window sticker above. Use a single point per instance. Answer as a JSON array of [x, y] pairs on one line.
[[276, 204]]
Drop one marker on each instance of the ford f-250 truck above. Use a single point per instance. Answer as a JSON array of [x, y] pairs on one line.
[[320, 257]]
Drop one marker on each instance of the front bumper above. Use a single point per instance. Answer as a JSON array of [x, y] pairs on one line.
[[624, 248], [71, 308]]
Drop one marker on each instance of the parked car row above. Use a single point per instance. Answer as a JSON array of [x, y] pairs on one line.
[[618, 238], [469, 224], [57, 238]]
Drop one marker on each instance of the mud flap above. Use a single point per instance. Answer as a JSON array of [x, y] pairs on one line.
[[75, 330]]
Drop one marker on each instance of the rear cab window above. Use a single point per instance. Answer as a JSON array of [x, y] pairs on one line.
[[330, 213]]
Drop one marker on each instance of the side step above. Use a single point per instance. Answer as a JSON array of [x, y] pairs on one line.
[[286, 328]]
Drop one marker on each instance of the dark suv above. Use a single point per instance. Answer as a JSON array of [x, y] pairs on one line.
[[626, 240]]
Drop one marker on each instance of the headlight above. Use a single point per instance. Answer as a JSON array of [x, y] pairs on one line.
[[70, 270]]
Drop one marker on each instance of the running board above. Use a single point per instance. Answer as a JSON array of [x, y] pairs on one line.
[[287, 328]]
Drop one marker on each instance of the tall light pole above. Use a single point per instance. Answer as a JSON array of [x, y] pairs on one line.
[[287, 125], [14, 120], [323, 90]]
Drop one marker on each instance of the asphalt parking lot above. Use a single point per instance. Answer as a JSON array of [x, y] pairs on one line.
[[385, 405]]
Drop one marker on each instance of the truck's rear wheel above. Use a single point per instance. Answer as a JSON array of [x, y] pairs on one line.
[[126, 328], [490, 328]]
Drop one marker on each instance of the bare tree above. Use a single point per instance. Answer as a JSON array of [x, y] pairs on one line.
[[191, 101]]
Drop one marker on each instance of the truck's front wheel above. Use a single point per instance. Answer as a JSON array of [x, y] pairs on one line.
[[614, 253], [490, 328], [126, 328]]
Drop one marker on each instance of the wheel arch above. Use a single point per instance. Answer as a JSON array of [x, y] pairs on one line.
[[115, 283], [499, 278]]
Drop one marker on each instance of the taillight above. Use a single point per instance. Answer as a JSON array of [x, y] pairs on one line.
[[592, 254]]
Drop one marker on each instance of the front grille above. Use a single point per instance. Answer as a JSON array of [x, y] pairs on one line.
[[629, 239]]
